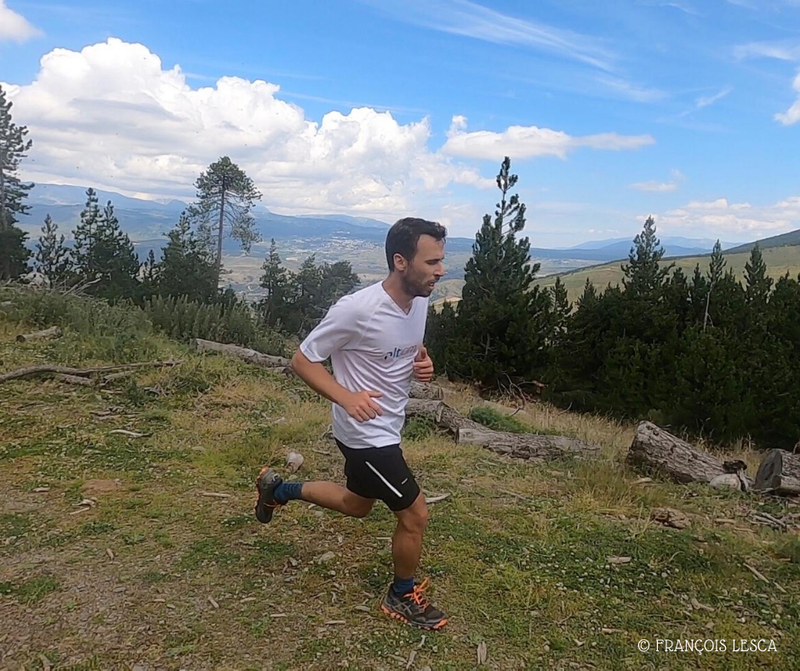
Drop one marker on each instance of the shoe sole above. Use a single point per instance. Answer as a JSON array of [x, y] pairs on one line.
[[263, 511], [405, 620]]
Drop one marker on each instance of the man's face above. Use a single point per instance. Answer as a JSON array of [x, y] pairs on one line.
[[420, 275]]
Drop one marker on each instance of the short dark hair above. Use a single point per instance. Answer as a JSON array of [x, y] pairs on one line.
[[402, 238]]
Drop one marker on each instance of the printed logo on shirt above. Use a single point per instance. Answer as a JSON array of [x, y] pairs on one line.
[[396, 353]]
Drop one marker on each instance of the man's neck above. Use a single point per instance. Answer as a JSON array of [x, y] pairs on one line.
[[393, 287]]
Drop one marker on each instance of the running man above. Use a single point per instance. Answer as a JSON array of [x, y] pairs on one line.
[[374, 340]]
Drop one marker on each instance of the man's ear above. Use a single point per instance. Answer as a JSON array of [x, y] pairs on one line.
[[400, 262]]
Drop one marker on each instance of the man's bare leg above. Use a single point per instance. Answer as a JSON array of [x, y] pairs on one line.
[[335, 497], [410, 606], [407, 539]]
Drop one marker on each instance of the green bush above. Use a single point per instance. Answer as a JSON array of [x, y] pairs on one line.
[[418, 428], [493, 419], [232, 322], [93, 328]]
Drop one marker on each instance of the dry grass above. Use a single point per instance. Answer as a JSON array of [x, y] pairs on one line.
[[161, 575]]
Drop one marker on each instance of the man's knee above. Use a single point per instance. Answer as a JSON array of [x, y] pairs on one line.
[[415, 518]]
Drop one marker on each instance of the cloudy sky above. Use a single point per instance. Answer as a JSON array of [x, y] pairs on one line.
[[688, 110]]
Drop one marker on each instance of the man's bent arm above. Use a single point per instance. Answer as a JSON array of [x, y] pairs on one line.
[[318, 378]]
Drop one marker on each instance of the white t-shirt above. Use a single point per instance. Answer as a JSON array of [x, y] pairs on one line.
[[372, 344]]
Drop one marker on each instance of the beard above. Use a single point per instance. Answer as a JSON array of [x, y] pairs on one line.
[[417, 288]]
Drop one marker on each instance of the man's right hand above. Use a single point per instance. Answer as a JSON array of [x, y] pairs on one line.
[[360, 406]]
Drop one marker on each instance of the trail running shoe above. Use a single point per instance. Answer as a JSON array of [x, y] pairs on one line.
[[413, 608], [266, 482]]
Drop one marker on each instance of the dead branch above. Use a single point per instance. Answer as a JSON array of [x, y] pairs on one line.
[[52, 332], [47, 369]]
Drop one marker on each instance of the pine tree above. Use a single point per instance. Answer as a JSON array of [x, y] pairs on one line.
[[561, 307], [13, 148], [275, 281], [225, 196], [757, 283], [306, 285], [502, 319], [716, 267], [52, 258], [187, 267], [103, 251], [84, 235], [644, 276], [338, 279], [589, 295]]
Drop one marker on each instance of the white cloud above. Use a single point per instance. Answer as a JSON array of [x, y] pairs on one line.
[[782, 51], [15, 27], [655, 187], [631, 91], [723, 217], [792, 115], [110, 116], [523, 142], [706, 101], [469, 19]]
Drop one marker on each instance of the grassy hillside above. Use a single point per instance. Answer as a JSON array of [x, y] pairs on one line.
[[779, 260], [167, 567]]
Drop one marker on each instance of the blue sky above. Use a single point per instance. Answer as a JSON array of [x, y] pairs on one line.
[[610, 111]]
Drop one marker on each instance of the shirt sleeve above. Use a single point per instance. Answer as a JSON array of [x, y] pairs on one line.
[[339, 329]]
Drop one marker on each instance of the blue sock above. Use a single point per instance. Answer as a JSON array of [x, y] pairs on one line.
[[288, 491], [402, 586]]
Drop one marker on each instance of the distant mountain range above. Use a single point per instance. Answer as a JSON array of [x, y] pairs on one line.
[[147, 222]]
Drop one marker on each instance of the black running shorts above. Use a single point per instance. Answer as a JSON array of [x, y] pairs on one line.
[[380, 473]]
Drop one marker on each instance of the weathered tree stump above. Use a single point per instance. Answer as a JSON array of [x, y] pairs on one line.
[[425, 390], [656, 450], [52, 332], [518, 445], [244, 353], [779, 473]]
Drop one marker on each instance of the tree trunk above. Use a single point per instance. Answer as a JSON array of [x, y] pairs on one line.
[[47, 369], [779, 473], [425, 390], [220, 231], [519, 445], [244, 353], [5, 270], [654, 449], [52, 332]]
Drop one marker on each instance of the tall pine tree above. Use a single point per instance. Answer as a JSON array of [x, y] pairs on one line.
[[104, 254], [275, 281], [225, 196], [502, 318], [757, 282], [52, 258], [13, 192], [644, 275], [187, 267]]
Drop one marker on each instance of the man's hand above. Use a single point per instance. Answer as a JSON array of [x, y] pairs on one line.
[[423, 366], [360, 406]]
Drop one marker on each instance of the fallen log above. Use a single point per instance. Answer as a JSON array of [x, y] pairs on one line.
[[244, 353], [518, 445], [52, 332], [779, 473], [74, 379], [426, 391], [655, 450], [47, 369]]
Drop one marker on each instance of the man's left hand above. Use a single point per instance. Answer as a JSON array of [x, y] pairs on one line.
[[423, 366]]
